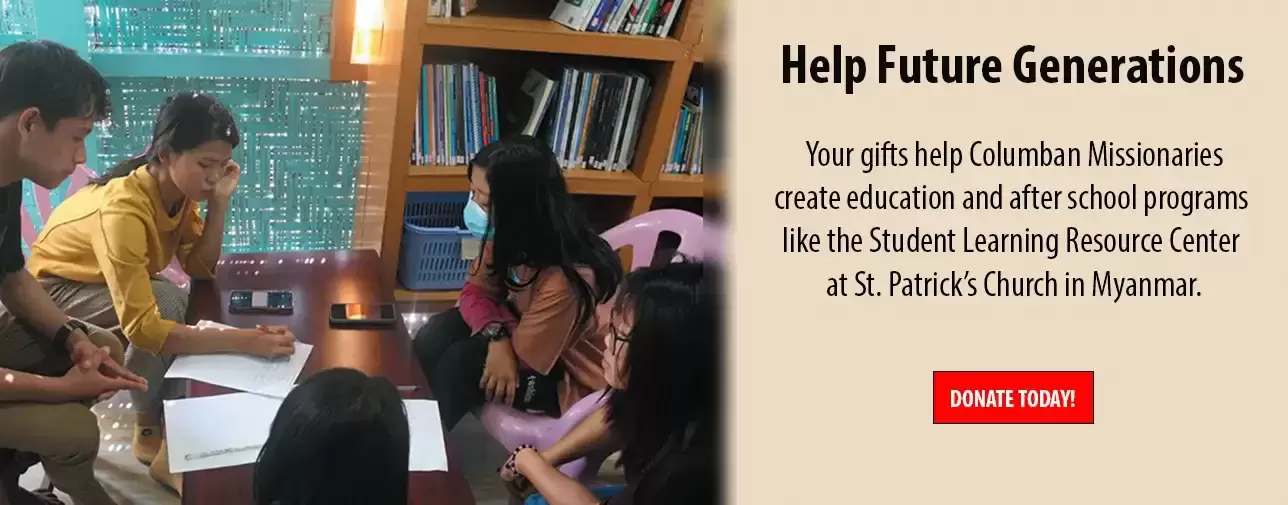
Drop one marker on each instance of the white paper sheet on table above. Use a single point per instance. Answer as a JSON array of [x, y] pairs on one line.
[[229, 430], [253, 374], [428, 451], [217, 431]]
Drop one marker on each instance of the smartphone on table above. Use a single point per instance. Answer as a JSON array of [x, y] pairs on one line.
[[261, 302], [363, 314]]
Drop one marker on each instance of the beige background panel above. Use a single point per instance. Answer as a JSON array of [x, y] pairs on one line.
[[832, 396]]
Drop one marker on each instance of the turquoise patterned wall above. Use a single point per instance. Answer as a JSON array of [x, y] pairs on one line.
[[17, 18], [267, 60], [300, 146], [301, 26]]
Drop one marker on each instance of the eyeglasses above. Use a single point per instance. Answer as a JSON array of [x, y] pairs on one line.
[[619, 340]]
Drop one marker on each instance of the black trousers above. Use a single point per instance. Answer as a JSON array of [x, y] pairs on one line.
[[452, 360]]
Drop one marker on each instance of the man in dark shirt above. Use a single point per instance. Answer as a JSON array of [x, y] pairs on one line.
[[11, 258], [52, 368]]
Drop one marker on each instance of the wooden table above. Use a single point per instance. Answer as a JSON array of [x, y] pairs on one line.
[[317, 280]]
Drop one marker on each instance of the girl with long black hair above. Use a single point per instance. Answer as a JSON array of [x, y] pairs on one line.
[[339, 438], [102, 250], [664, 409], [528, 330]]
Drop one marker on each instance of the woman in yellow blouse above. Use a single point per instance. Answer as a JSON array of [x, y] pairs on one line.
[[102, 249]]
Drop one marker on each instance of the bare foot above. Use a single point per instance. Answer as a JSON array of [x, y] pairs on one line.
[[159, 470], [148, 432], [147, 442]]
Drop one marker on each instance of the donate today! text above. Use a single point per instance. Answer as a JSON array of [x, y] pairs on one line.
[[1012, 398]]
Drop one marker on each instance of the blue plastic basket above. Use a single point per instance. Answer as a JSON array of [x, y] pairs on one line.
[[433, 227]]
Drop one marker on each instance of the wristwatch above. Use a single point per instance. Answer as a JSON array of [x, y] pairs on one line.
[[493, 332], [65, 331]]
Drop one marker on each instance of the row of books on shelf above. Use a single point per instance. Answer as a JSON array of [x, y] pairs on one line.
[[632, 17], [591, 118], [686, 141], [451, 8], [597, 118], [629, 17], [457, 111]]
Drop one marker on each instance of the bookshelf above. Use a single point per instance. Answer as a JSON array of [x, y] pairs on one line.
[[512, 34]]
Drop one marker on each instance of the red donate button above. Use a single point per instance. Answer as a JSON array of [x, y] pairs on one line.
[[1014, 398]]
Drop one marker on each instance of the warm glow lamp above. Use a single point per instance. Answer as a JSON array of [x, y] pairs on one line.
[[368, 23]]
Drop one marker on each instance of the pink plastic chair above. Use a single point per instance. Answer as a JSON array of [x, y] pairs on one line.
[[642, 233], [513, 428], [79, 179], [713, 242]]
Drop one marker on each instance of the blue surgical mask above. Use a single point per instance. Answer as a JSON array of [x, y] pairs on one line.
[[475, 218]]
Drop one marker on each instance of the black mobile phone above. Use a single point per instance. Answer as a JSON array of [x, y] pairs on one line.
[[261, 302], [363, 314]]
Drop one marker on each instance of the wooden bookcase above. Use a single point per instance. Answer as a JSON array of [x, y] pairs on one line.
[[393, 79]]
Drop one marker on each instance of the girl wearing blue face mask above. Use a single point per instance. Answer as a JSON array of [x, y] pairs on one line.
[[476, 217], [530, 328]]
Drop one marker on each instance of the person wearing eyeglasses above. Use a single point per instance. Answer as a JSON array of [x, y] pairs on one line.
[[665, 404]]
